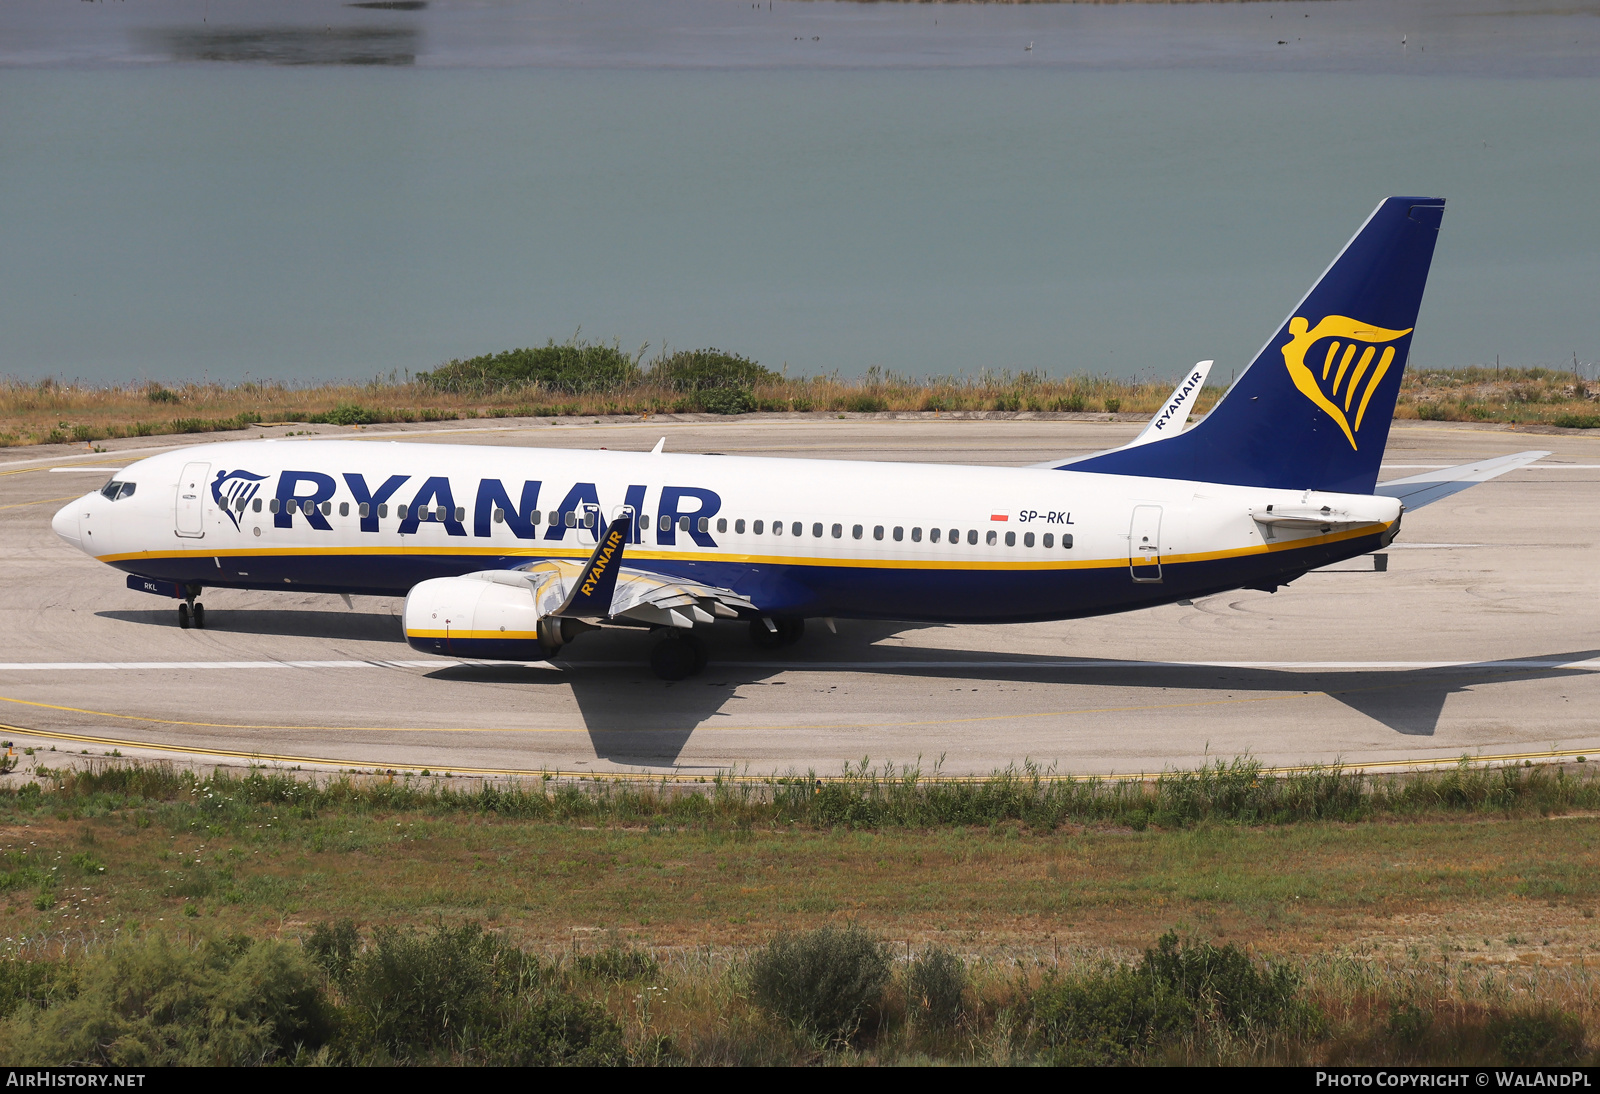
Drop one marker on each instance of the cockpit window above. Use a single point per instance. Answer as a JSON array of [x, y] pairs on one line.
[[113, 490]]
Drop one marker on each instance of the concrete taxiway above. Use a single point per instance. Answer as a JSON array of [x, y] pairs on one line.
[[1480, 639]]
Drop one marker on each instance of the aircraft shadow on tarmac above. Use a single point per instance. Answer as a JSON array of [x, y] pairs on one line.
[[361, 626], [634, 719]]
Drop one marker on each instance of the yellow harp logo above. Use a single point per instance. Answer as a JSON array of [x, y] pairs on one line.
[[1347, 336]]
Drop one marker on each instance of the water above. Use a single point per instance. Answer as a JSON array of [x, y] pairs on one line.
[[301, 189]]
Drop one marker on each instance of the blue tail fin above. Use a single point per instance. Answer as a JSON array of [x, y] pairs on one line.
[[1312, 411]]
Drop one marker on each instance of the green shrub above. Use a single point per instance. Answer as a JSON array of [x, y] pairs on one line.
[[458, 994], [577, 366], [1105, 1017], [935, 984], [727, 401], [350, 414], [1546, 1037], [158, 394], [1224, 984], [706, 370], [33, 983], [618, 963], [823, 982], [1113, 405], [1074, 402], [1116, 1014], [334, 947], [864, 402], [152, 1002], [1576, 421], [553, 1028]]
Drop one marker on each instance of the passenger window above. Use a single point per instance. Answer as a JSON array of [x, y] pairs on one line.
[[570, 519], [1066, 541], [899, 533], [364, 510], [756, 527], [1049, 539], [838, 531], [327, 508], [461, 513], [777, 527], [272, 506], [683, 524], [499, 516], [916, 535], [383, 509], [535, 517], [239, 505], [990, 538], [797, 528], [400, 511], [933, 535], [972, 536], [644, 519], [877, 532], [856, 532], [1011, 539], [955, 535], [1027, 539], [722, 524], [344, 509], [704, 524], [555, 517], [738, 527], [255, 506]]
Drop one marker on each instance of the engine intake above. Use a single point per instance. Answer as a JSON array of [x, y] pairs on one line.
[[494, 618]]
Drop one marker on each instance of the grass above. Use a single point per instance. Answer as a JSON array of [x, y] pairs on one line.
[[1442, 916]]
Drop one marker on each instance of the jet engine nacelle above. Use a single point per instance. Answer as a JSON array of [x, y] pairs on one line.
[[493, 616]]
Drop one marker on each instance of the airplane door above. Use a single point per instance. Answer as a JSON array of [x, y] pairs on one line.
[[1144, 543], [189, 512]]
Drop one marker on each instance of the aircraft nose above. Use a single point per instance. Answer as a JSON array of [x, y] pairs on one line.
[[65, 522]]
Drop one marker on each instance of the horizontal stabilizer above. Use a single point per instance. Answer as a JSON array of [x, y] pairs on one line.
[[1430, 486]]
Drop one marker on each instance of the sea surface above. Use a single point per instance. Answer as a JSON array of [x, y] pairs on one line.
[[306, 189]]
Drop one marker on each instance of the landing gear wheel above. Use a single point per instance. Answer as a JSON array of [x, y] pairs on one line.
[[701, 653], [200, 615], [790, 630], [183, 616], [762, 638], [677, 657]]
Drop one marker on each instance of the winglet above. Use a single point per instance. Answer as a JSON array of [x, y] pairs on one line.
[[1169, 420], [591, 594], [1418, 490], [656, 451]]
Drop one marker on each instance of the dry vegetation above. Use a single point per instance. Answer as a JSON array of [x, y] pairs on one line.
[[1438, 917], [53, 412]]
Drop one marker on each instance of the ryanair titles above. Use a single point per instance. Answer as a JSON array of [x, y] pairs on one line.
[[309, 499]]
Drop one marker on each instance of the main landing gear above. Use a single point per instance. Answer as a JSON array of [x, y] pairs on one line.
[[191, 609]]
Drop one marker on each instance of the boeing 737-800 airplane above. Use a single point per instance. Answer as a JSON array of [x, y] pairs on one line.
[[509, 554]]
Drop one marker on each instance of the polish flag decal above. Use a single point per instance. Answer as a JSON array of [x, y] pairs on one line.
[[1000, 516]]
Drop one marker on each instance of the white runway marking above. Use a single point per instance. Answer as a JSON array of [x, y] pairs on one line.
[[797, 666]]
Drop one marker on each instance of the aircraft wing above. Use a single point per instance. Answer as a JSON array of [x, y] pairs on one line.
[[1168, 421], [640, 596], [1416, 491]]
